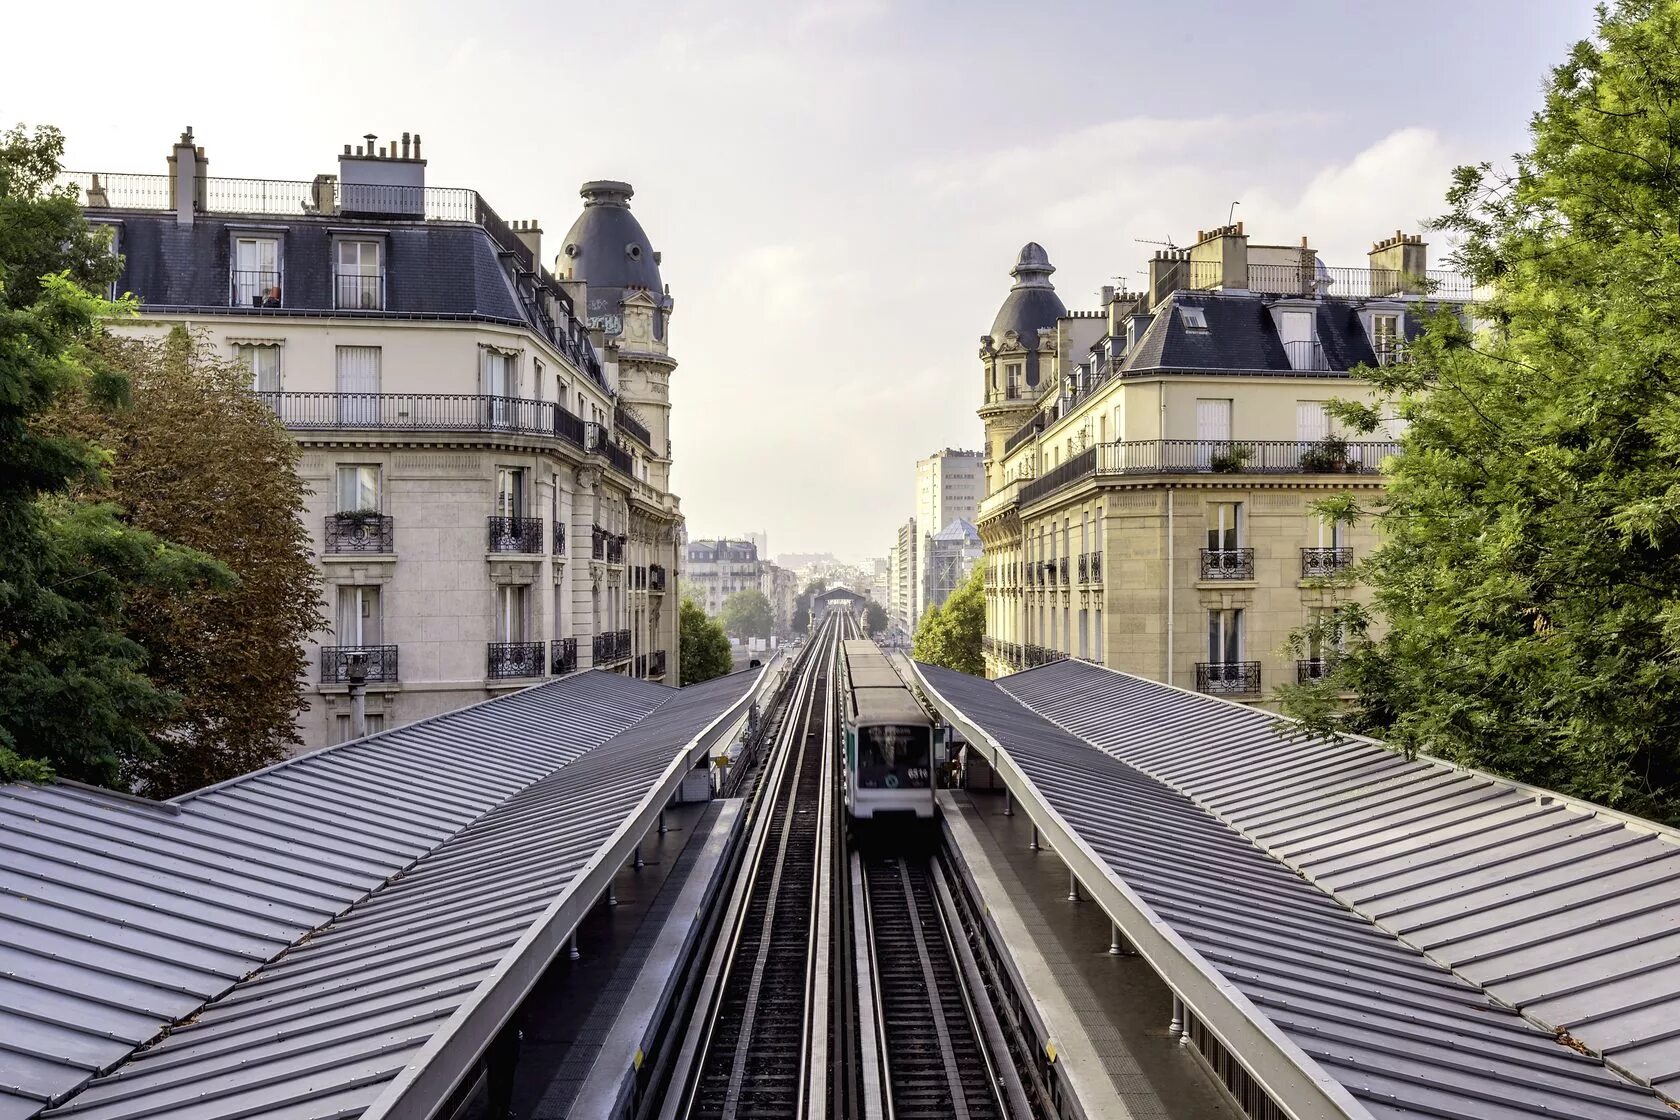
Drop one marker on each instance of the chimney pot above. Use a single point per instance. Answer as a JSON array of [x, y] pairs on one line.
[[416, 145], [346, 149], [405, 145]]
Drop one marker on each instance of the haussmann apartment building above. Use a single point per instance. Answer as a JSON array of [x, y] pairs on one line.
[[486, 439], [1150, 465]]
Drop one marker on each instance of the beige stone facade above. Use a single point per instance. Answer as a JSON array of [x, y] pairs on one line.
[[490, 500], [1149, 499]]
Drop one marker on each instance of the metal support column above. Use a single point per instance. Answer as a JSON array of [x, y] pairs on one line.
[[1175, 1029], [1073, 886], [572, 949], [1034, 846]]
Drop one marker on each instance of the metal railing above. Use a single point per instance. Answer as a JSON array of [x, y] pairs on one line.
[[1306, 354], [559, 538], [656, 578], [1325, 561], [515, 534], [353, 291], [1025, 432], [507, 660], [611, 646], [379, 661], [620, 459], [360, 532], [624, 422], [1081, 466], [562, 656], [1227, 563], [1309, 669], [656, 663], [1359, 283], [1033, 655], [260, 288], [431, 412], [1228, 678]]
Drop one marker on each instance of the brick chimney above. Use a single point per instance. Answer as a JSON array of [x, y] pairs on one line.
[[189, 174], [1395, 258]]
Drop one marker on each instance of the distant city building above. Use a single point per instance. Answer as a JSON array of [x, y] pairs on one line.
[[1151, 464], [903, 577], [951, 555], [880, 581], [713, 570], [949, 486], [799, 561], [485, 441], [781, 587]]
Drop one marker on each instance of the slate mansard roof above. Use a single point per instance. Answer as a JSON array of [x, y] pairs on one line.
[[1423, 935], [235, 907]]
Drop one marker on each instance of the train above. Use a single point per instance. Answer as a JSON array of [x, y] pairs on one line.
[[891, 741]]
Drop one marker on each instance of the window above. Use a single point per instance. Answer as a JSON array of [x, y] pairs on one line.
[[256, 272], [264, 362], [1385, 337], [1300, 340], [360, 282], [498, 372], [1225, 645], [510, 613], [1213, 420], [1312, 421], [1015, 372], [358, 488], [1224, 526], [1331, 533], [1193, 318], [358, 621], [358, 385], [510, 492]]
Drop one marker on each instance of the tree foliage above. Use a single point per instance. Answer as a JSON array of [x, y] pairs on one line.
[[746, 614], [74, 695], [802, 605], [875, 617], [198, 460], [704, 645], [950, 634], [1529, 579]]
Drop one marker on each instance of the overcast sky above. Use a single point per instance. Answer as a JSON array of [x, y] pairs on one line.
[[838, 188]]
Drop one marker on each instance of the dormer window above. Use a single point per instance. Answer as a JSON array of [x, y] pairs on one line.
[[256, 272], [1015, 373], [1299, 334], [1193, 318]]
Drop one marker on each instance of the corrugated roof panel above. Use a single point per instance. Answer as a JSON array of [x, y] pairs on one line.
[[1553, 906], [119, 916], [336, 1018], [1407, 1037]]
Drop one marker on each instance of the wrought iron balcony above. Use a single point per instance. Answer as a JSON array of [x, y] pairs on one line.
[[360, 532], [1227, 563], [353, 291], [656, 578], [641, 669], [516, 534], [562, 656], [1310, 669], [508, 660], [260, 288], [559, 538], [1325, 561], [615, 549], [1228, 678], [611, 646], [656, 663], [425, 412], [1032, 655], [379, 661], [624, 422]]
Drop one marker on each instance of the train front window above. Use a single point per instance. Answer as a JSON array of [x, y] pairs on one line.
[[894, 756]]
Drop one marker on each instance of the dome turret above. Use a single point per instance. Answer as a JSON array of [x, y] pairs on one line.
[[608, 250], [1032, 303]]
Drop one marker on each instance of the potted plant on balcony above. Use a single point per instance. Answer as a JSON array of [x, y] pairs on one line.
[[1231, 460], [1328, 456]]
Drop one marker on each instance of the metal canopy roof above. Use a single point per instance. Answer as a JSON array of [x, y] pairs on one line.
[[1564, 910], [383, 1010], [120, 916], [1334, 1015]]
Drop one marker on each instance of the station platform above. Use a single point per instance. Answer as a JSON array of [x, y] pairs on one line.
[[1106, 1015], [586, 1021]]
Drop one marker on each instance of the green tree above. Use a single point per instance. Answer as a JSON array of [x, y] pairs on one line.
[[802, 605], [746, 614], [197, 459], [74, 695], [951, 634], [1529, 576], [875, 617], [704, 645]]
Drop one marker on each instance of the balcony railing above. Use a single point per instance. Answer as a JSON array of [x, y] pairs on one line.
[[620, 459], [624, 422], [516, 534], [356, 292], [1197, 456], [1310, 669], [559, 538], [1306, 354], [360, 532], [1228, 678], [612, 646], [508, 660], [379, 661], [1227, 563], [562, 656], [641, 666], [656, 664], [424, 412], [255, 289], [656, 579], [1325, 561], [1358, 283], [1032, 655], [1025, 432]]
